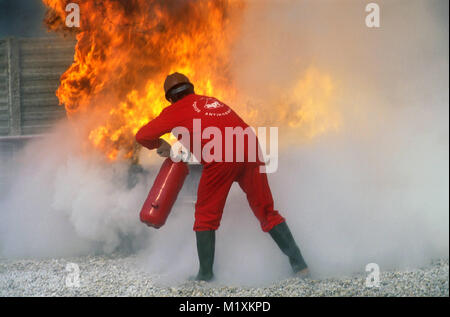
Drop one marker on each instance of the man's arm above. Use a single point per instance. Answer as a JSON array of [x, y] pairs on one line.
[[149, 135]]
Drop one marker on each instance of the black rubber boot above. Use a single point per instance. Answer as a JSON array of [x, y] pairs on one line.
[[283, 237], [206, 241]]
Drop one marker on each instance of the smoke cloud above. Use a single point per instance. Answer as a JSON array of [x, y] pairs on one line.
[[375, 190], [63, 203]]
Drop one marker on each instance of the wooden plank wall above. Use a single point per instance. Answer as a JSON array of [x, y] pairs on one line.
[[30, 70], [4, 106]]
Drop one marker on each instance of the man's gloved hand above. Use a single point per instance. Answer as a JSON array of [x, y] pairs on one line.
[[164, 149]]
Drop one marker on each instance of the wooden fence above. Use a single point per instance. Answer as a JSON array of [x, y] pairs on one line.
[[30, 70]]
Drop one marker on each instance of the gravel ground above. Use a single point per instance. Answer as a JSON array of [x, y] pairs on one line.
[[118, 276]]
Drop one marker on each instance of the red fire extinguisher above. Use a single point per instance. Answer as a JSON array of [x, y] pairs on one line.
[[163, 193]]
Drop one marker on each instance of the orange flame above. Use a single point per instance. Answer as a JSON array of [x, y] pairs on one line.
[[125, 48]]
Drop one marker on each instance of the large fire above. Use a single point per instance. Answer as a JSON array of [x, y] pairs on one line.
[[125, 48]]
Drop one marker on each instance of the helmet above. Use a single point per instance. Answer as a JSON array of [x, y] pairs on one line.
[[176, 83]]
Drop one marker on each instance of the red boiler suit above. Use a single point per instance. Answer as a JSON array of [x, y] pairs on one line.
[[217, 177]]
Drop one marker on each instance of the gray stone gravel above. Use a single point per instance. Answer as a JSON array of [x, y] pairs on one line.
[[118, 275]]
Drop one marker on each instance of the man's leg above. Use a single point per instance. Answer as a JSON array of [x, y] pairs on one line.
[[259, 196], [215, 183], [206, 244], [285, 241]]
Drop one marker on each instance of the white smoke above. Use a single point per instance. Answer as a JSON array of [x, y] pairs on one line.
[[377, 190], [374, 191], [62, 202]]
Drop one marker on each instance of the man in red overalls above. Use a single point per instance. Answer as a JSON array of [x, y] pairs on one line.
[[219, 172]]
